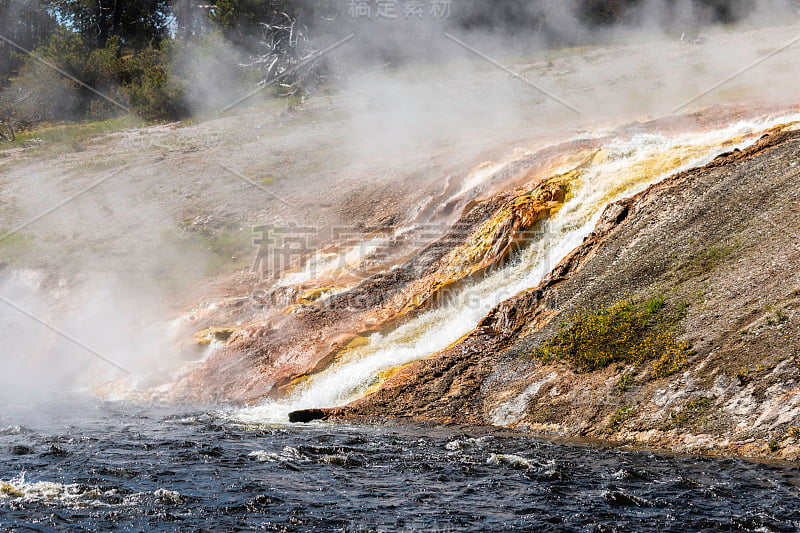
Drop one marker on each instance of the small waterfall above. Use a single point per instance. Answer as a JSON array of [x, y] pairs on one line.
[[621, 168]]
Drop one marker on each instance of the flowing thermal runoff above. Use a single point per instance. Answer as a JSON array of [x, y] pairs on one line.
[[614, 169]]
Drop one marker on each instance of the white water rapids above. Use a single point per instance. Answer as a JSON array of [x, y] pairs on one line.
[[622, 167]]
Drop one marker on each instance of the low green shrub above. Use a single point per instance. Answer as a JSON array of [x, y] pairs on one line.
[[625, 332], [619, 418], [691, 411], [625, 382]]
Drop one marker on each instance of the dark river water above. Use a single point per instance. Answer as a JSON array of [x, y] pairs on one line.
[[87, 466]]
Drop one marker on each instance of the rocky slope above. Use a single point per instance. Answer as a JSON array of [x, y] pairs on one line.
[[718, 247]]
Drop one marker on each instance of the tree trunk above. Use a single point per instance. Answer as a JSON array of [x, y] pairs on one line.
[[103, 28], [185, 15], [117, 18]]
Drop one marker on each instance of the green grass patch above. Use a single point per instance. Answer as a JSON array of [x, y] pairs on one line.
[[625, 382], [705, 260], [625, 332], [78, 132], [619, 418], [15, 247], [775, 316], [218, 252], [692, 413], [746, 375]]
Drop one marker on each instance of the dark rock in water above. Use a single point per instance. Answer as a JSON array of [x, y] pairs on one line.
[[615, 497], [21, 450], [307, 415], [56, 451]]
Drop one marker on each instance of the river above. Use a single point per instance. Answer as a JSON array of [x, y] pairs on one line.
[[87, 465]]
